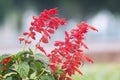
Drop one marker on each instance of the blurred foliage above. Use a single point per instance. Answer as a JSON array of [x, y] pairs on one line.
[[99, 72], [85, 8]]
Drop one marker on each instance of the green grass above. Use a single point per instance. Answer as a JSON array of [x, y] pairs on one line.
[[99, 72]]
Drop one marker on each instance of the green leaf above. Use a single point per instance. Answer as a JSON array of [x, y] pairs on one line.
[[60, 71], [23, 69], [33, 75], [43, 58], [36, 66], [47, 77], [9, 78], [2, 57], [1, 66], [30, 50], [19, 55]]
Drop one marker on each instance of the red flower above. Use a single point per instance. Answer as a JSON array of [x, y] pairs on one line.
[[68, 53], [21, 38], [46, 23], [5, 61]]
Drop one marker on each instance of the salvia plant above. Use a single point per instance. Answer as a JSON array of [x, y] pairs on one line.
[[60, 64]]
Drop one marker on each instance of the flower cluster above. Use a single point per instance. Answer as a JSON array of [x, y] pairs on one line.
[[68, 54], [45, 24]]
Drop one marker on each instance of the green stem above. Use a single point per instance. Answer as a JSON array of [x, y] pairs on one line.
[[41, 73], [24, 46], [35, 51]]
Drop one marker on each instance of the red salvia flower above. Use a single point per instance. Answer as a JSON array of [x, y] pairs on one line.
[[69, 51], [45, 24]]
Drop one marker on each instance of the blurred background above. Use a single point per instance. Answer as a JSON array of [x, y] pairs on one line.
[[104, 46]]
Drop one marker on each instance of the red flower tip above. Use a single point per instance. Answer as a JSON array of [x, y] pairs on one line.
[[40, 48], [84, 23], [28, 41], [51, 31], [84, 45], [91, 27], [53, 11], [21, 38], [63, 21], [88, 59], [31, 28], [34, 17], [53, 67], [25, 33]]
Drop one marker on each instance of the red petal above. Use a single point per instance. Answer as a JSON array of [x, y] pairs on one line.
[[40, 48], [21, 38], [88, 59], [25, 33], [58, 43], [53, 11], [91, 27], [34, 17], [31, 28], [84, 45], [32, 35], [78, 71], [28, 41], [51, 31], [66, 34], [63, 21], [84, 24], [44, 39], [52, 66], [45, 33]]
